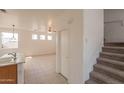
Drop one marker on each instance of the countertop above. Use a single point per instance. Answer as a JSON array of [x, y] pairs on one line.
[[19, 60]]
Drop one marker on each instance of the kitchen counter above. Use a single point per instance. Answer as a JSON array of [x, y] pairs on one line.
[[20, 60], [2, 64]]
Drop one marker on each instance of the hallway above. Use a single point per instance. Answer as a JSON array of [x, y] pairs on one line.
[[41, 70]]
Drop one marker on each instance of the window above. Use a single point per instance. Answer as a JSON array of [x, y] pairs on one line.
[[42, 37], [8, 41], [34, 37], [49, 37]]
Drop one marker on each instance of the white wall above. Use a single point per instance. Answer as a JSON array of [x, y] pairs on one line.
[[114, 32], [32, 47], [92, 39], [76, 49], [85, 41], [58, 52], [71, 21], [36, 47]]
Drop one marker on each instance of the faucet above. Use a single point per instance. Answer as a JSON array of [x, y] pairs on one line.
[[13, 54]]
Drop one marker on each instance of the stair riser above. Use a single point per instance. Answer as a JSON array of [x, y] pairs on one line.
[[89, 82], [120, 51], [113, 57], [109, 74], [120, 67], [96, 79], [86, 82], [114, 44]]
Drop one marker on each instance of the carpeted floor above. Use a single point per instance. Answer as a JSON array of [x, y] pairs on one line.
[[41, 70]]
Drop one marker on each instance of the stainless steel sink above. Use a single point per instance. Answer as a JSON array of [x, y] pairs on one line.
[[5, 58]]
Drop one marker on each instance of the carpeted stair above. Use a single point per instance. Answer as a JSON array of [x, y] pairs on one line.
[[110, 65]]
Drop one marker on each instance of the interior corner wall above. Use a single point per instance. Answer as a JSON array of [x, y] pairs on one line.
[[93, 36]]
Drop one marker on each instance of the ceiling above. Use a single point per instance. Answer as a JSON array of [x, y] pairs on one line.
[[28, 19]]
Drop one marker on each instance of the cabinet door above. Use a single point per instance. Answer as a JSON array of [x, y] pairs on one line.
[[8, 74]]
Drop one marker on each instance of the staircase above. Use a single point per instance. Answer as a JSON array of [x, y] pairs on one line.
[[110, 65]]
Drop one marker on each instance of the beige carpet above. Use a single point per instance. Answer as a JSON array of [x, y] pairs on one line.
[[109, 68], [41, 70]]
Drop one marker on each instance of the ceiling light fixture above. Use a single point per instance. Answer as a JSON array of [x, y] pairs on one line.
[[50, 29]]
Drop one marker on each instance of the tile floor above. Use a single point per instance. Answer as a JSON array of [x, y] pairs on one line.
[[41, 70]]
